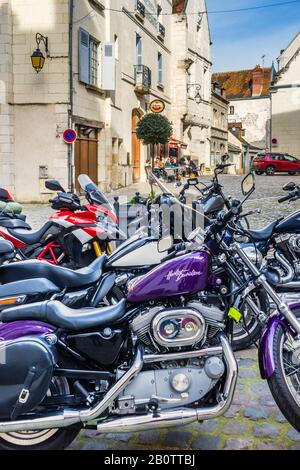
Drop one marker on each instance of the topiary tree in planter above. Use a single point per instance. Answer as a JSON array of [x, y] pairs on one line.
[[154, 129]]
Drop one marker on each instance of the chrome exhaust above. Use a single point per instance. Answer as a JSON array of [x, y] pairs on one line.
[[69, 417], [287, 267], [180, 416]]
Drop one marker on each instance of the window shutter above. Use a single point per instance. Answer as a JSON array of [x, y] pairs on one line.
[[84, 56], [109, 67]]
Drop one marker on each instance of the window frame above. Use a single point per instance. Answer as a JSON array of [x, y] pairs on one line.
[[160, 69], [94, 62]]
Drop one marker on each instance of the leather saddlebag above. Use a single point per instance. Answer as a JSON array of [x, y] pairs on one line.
[[26, 369]]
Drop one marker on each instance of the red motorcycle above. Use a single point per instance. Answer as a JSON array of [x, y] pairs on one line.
[[74, 236]]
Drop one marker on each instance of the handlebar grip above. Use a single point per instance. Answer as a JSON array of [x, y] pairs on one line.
[[286, 198]]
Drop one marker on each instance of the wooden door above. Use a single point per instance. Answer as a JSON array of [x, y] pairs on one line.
[[136, 148], [86, 155]]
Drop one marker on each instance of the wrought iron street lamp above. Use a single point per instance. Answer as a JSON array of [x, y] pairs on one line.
[[38, 58], [197, 89]]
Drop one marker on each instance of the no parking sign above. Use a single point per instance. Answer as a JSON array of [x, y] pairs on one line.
[[70, 136]]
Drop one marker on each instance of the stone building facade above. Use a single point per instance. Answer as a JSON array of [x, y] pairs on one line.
[[286, 101], [191, 78], [219, 124], [248, 92], [108, 59]]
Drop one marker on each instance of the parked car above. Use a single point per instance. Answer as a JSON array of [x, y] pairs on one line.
[[271, 163]]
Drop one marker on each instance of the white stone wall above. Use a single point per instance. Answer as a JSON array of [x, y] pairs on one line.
[[286, 109], [219, 129], [191, 65], [255, 115], [36, 110], [6, 109], [125, 100]]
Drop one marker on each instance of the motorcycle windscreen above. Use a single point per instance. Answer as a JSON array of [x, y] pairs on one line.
[[89, 187]]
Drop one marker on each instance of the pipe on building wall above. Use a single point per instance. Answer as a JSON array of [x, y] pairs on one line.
[[71, 95]]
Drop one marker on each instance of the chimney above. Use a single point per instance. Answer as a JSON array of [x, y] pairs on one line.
[[257, 81]]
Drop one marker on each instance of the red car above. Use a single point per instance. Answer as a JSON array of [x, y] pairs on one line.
[[271, 163]]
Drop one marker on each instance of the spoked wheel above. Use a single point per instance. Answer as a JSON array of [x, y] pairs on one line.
[[248, 331], [285, 382], [49, 439]]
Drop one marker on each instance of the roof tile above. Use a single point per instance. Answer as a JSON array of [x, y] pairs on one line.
[[238, 84]]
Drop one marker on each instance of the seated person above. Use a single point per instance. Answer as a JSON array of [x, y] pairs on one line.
[[192, 166]]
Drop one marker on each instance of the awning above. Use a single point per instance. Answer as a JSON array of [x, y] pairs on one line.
[[177, 144]]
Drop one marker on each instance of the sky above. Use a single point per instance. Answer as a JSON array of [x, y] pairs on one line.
[[240, 39]]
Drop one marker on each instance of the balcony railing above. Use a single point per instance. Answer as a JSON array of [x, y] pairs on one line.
[[161, 31], [142, 75], [140, 9]]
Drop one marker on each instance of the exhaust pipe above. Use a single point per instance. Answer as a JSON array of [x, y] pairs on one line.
[[164, 419], [180, 416], [70, 417], [287, 267]]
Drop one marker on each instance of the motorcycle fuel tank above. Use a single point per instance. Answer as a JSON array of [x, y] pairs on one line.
[[290, 224], [187, 274]]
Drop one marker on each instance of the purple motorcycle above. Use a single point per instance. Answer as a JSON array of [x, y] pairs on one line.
[[158, 359]]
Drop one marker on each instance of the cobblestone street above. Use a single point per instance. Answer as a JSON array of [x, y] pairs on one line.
[[254, 421]]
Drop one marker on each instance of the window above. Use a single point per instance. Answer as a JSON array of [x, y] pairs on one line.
[[160, 68], [231, 110], [139, 50], [88, 58], [290, 159], [94, 64]]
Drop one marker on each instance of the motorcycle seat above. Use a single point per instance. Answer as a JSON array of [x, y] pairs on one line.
[[61, 277], [30, 238], [13, 224], [6, 251], [60, 316], [28, 287], [264, 234]]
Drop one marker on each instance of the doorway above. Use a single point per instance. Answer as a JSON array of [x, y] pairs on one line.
[[136, 147], [86, 154]]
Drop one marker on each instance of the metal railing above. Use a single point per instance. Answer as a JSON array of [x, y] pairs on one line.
[[142, 76], [140, 8], [161, 30]]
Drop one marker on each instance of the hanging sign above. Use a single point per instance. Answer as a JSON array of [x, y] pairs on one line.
[[157, 106], [70, 136]]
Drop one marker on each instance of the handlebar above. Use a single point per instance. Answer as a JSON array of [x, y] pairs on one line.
[[294, 195]]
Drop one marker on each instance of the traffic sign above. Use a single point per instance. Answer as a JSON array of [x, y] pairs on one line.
[[70, 136]]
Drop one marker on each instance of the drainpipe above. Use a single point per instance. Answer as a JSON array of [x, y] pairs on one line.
[[71, 100]]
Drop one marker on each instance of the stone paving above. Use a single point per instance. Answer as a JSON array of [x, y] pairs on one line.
[[254, 421]]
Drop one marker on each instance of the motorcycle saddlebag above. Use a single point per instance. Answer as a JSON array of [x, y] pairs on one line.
[[26, 369]]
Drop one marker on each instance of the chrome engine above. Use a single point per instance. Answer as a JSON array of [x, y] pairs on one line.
[[160, 327], [294, 243], [186, 371]]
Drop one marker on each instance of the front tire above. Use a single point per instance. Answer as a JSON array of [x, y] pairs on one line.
[[285, 382], [258, 172]]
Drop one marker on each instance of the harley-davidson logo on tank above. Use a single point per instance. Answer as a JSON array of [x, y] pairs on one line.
[[184, 275]]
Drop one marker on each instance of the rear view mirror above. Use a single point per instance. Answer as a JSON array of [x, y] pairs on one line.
[[248, 184], [165, 244], [289, 186], [54, 185], [225, 158]]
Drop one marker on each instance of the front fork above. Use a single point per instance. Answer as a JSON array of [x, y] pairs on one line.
[[261, 280], [98, 251]]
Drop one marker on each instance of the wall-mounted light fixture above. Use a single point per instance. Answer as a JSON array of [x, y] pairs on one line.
[[197, 88], [38, 58]]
